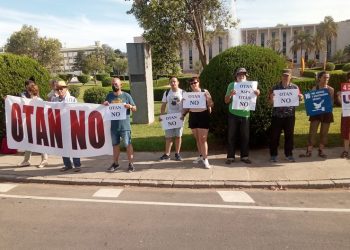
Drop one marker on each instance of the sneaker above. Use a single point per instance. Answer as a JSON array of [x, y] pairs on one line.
[[178, 157], [345, 154], [290, 158], [246, 160], [23, 164], [206, 164], [273, 159], [113, 167], [77, 168], [65, 168], [198, 159], [229, 161], [131, 167], [43, 164], [164, 157]]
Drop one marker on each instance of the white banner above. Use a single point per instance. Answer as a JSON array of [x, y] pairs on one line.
[[193, 100], [286, 98], [245, 98], [64, 129], [171, 121], [116, 111], [345, 103]]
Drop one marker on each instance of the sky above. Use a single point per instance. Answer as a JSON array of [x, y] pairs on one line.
[[79, 23]]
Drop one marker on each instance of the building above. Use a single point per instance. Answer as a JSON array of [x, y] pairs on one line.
[[281, 35], [69, 55]]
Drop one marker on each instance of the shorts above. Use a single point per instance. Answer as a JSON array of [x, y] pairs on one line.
[[199, 119], [174, 132], [121, 136]]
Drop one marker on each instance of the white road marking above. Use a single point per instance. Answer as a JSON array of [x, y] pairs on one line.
[[172, 204], [6, 187], [235, 196], [108, 192]]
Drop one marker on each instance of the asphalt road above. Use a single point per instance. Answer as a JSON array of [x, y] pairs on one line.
[[41, 216]]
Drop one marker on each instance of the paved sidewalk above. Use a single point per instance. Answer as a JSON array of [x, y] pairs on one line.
[[313, 172]]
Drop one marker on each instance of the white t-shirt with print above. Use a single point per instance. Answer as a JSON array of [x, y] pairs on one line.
[[173, 100]]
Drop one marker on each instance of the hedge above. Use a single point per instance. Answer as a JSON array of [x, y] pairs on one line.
[[14, 71], [346, 67], [330, 66], [106, 81], [84, 78], [100, 77], [95, 95], [74, 90], [263, 65]]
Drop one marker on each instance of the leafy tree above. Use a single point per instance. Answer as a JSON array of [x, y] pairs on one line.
[[94, 63], [79, 61], [347, 51], [339, 56], [49, 54], [274, 43], [166, 23], [120, 66]]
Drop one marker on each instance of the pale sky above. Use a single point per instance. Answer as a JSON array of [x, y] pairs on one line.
[[80, 23]]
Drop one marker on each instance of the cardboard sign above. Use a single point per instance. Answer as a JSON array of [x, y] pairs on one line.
[[245, 98], [345, 99], [286, 98], [194, 100], [318, 102], [116, 111], [171, 121]]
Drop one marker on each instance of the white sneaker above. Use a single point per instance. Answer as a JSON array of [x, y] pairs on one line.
[[206, 163], [23, 164], [198, 160], [43, 164]]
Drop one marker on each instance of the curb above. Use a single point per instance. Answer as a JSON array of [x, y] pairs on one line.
[[194, 184]]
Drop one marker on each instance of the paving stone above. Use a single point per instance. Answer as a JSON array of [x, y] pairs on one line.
[[237, 184], [202, 184], [148, 183], [165, 183], [342, 183], [293, 184], [183, 184], [321, 184]]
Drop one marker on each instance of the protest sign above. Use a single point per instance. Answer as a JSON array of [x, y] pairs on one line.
[[245, 98]]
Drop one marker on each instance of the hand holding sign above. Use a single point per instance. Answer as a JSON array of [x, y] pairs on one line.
[[116, 111], [194, 100], [171, 121], [286, 97]]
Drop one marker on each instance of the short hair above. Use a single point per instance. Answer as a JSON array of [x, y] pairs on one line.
[[27, 82], [194, 78], [320, 74]]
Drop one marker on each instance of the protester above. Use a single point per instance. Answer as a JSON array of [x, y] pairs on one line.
[[53, 92], [324, 119], [283, 119], [172, 100], [345, 126], [238, 121], [32, 90], [121, 129], [199, 122], [64, 97], [27, 85]]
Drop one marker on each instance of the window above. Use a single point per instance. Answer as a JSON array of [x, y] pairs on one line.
[[190, 58], [220, 44], [284, 42], [262, 39], [210, 51]]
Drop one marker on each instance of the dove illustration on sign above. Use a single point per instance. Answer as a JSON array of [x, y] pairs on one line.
[[318, 105]]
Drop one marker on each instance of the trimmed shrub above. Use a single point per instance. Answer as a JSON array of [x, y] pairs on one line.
[[74, 90], [330, 66], [346, 67], [106, 81], [95, 95], [14, 71], [158, 93], [305, 84], [310, 73], [263, 65], [336, 78], [66, 77], [84, 78], [100, 77], [339, 66]]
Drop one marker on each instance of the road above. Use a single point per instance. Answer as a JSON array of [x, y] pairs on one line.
[[42, 216]]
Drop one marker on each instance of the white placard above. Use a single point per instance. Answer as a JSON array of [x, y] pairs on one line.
[[116, 111], [286, 98], [194, 100], [171, 121], [245, 98], [345, 103]]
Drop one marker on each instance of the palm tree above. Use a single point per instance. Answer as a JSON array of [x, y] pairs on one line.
[[302, 41], [329, 30], [347, 51], [318, 42], [274, 43]]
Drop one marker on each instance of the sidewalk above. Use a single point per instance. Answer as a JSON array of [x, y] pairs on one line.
[[313, 172]]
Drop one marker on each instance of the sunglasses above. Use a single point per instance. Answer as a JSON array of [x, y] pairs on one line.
[[58, 89], [193, 82]]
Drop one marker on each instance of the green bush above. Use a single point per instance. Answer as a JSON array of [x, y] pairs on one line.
[[106, 81], [66, 77], [74, 90], [310, 73], [339, 66], [336, 78], [95, 95], [263, 65], [305, 84], [346, 67], [158, 93], [14, 70], [330, 66], [100, 77], [84, 78]]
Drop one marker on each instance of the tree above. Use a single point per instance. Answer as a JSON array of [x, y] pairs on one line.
[[274, 43], [318, 41], [167, 22], [347, 51], [339, 56], [329, 30], [302, 41], [79, 61], [27, 42], [120, 66], [94, 63]]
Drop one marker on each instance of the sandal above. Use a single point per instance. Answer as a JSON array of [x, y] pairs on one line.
[[321, 154], [344, 154], [307, 154]]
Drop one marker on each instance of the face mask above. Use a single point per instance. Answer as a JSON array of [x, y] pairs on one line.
[[115, 89]]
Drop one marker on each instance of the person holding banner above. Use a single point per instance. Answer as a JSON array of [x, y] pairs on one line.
[[324, 119], [284, 97], [172, 99], [64, 96], [199, 118], [345, 118], [53, 91], [238, 121], [32, 90], [121, 129]]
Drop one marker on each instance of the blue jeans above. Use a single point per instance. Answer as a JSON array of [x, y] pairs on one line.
[[67, 162]]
